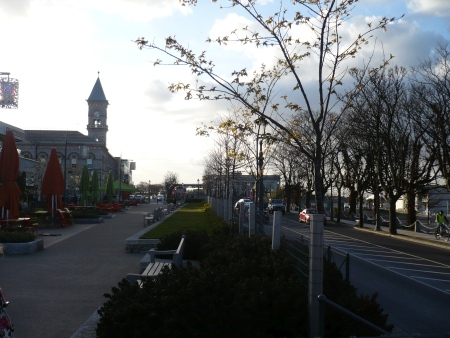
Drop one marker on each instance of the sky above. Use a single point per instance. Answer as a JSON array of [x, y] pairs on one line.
[[58, 48]]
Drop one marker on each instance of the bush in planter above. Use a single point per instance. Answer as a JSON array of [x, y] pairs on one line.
[[194, 241], [242, 289], [16, 237], [216, 300]]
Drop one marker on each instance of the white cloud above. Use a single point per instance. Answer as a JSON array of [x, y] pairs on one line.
[[439, 8], [56, 47]]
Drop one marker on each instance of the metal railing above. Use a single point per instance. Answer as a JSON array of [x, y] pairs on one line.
[[298, 250], [342, 261]]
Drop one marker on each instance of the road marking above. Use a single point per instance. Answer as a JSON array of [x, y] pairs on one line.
[[416, 270], [432, 279]]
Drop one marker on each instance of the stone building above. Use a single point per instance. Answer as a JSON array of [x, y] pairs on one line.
[[74, 148]]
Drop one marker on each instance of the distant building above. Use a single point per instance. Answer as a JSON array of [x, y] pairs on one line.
[[74, 148], [243, 185]]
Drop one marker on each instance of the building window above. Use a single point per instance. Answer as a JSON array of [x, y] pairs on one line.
[[27, 154], [43, 157], [73, 156]]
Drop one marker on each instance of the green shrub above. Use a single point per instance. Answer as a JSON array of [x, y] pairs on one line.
[[16, 237], [242, 289], [339, 291], [230, 300], [195, 240]]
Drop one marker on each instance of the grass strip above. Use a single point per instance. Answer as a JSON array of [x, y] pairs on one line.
[[191, 216]]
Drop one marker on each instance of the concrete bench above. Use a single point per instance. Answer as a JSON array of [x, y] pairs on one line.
[[155, 216], [148, 219], [153, 268], [170, 207]]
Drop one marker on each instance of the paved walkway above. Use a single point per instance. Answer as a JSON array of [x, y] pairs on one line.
[[55, 291]]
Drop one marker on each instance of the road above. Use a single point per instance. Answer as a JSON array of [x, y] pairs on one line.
[[412, 279]]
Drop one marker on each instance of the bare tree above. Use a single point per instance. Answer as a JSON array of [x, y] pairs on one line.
[[431, 86], [389, 137], [170, 181], [275, 35]]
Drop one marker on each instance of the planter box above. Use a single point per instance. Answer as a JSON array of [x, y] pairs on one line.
[[23, 248], [87, 220]]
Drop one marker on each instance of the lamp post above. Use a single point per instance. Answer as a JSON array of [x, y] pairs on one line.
[[259, 186], [261, 183], [331, 211], [149, 182], [198, 188], [339, 187], [120, 179], [65, 173], [376, 201]]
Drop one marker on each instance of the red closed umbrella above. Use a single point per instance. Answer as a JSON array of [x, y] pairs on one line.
[[9, 171], [53, 183]]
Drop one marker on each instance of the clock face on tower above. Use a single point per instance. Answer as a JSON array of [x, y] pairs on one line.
[[96, 113]]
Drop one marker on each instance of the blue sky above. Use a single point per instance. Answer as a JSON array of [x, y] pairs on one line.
[[56, 47]]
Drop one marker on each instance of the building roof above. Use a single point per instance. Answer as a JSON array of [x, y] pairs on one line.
[[56, 136], [97, 93]]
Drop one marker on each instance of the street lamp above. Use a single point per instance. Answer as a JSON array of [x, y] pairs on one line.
[[149, 182], [339, 184], [376, 201], [198, 189], [259, 193]]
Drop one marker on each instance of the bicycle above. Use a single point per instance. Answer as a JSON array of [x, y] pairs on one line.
[[6, 326], [443, 231]]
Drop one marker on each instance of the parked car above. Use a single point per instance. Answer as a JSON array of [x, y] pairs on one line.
[[276, 204], [305, 215], [139, 197], [246, 201]]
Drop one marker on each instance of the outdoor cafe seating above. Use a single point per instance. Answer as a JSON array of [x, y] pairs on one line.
[[110, 207]]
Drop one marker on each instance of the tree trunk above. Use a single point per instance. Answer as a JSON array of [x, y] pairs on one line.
[[307, 199], [411, 217], [288, 197], [352, 200], [361, 211], [392, 216]]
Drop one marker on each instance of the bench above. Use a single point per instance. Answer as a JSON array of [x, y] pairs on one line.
[[148, 219], [154, 268]]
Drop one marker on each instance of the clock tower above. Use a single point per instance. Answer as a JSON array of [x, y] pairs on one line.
[[97, 126]]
